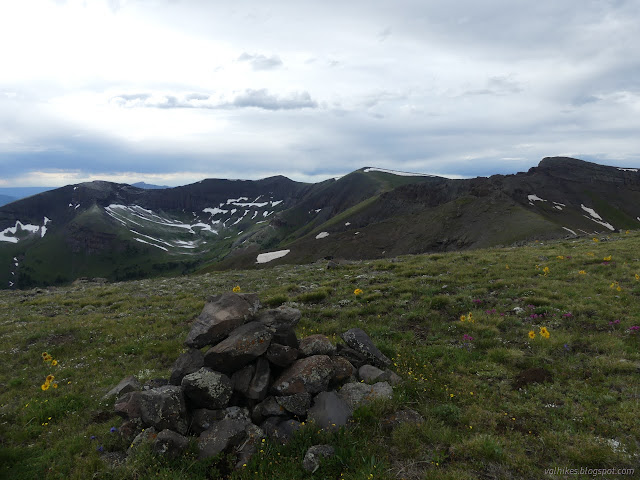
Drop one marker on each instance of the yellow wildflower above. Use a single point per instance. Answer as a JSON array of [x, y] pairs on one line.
[[595, 240], [236, 289], [54, 362], [582, 272], [357, 291], [637, 277], [44, 386], [532, 334], [546, 271], [544, 332], [50, 378], [560, 257], [607, 259], [55, 385], [463, 318]]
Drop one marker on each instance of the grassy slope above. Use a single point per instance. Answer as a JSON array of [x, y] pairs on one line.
[[477, 425]]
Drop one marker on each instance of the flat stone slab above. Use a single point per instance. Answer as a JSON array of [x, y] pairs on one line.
[[220, 316], [358, 340], [161, 408]]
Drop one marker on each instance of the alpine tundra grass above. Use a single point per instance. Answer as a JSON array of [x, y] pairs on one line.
[[464, 330]]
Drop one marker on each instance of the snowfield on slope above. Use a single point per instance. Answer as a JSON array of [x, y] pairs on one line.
[[267, 257]]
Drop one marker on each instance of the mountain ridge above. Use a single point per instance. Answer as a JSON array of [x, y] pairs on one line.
[[119, 231]]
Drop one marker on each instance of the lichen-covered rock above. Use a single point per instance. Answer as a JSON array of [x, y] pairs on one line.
[[310, 374], [126, 385], [221, 315], [358, 340], [190, 361], [315, 455], [244, 344], [170, 444], [148, 435], [248, 448], [208, 389], [281, 355], [316, 345], [161, 408], [298, 403], [356, 394], [342, 369], [356, 359], [329, 411]]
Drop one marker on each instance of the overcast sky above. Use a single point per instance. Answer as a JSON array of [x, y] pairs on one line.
[[170, 92]]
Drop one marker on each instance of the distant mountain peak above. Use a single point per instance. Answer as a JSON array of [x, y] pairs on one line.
[[149, 186]]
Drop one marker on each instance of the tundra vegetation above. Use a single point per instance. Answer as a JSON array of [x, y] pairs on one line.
[[519, 360]]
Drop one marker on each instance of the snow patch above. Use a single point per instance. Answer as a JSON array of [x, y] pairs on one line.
[[535, 198], [322, 235], [149, 243], [628, 169], [277, 202], [214, 211], [267, 257], [317, 210], [558, 203], [395, 172], [347, 224], [570, 231], [557, 207], [4, 234], [591, 212]]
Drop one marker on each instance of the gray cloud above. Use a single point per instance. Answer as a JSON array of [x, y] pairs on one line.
[[263, 99], [261, 62], [260, 98]]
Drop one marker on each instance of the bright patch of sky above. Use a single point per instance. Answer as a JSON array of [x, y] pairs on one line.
[[171, 92]]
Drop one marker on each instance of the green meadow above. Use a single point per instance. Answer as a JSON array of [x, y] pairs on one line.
[[460, 328]]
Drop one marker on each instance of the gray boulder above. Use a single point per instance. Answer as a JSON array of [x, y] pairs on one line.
[[317, 345], [369, 373], [161, 408], [356, 394], [279, 318], [170, 444], [126, 385], [311, 375], [315, 455], [259, 385], [221, 315], [342, 369], [221, 436], [280, 430], [208, 389], [356, 359], [358, 340], [242, 378], [244, 344], [189, 362], [329, 411], [203, 418], [298, 403], [269, 407], [281, 355]]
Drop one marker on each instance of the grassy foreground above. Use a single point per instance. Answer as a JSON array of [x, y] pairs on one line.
[[458, 327]]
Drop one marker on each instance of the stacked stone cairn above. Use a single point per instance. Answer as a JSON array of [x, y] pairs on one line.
[[256, 379]]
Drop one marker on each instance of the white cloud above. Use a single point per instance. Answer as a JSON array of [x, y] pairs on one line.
[[463, 88]]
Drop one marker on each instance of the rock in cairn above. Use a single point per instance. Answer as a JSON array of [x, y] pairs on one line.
[[246, 376]]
